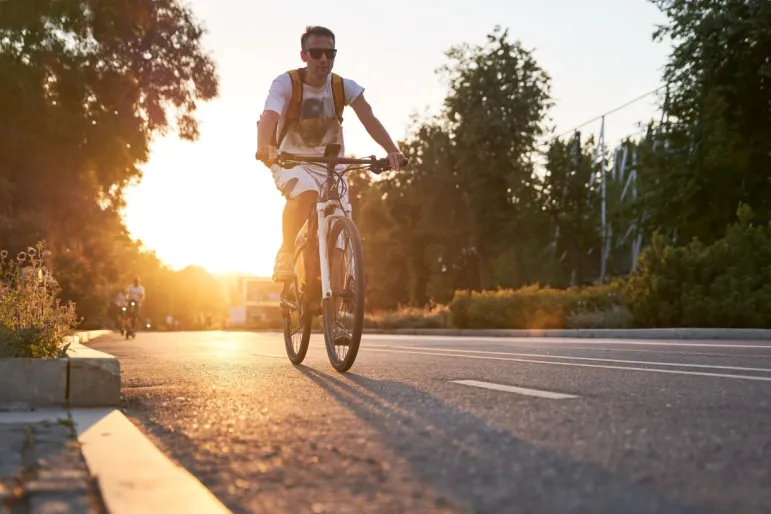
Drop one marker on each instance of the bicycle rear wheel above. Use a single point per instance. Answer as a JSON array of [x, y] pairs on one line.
[[297, 319], [344, 313]]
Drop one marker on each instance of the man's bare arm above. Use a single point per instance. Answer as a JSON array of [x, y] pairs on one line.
[[377, 131], [266, 128], [374, 128]]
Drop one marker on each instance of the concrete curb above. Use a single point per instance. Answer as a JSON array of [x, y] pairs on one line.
[[85, 377], [739, 334], [93, 376], [132, 473], [28, 383], [85, 336]]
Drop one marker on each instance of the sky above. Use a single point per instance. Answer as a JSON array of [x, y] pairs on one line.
[[209, 203]]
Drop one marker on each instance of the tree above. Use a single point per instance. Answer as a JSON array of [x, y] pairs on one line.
[[574, 210], [466, 213], [716, 143], [84, 86], [498, 100]]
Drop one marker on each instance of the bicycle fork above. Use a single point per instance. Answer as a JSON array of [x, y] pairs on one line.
[[324, 227]]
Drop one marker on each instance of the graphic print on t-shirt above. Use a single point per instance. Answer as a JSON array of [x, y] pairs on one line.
[[317, 126]]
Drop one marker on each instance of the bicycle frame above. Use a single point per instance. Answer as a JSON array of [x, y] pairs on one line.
[[310, 291], [330, 197]]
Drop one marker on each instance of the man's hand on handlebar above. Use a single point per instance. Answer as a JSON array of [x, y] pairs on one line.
[[395, 160], [268, 155]]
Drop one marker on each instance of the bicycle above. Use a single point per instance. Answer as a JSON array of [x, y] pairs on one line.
[[128, 321], [312, 292]]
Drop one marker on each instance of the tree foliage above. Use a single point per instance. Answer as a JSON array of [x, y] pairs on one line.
[[487, 202], [84, 87], [495, 112], [449, 220], [485, 205], [715, 150]]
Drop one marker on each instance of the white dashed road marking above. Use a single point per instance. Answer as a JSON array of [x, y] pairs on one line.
[[513, 389]]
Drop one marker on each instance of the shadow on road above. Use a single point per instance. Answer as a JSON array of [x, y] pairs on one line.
[[482, 467]]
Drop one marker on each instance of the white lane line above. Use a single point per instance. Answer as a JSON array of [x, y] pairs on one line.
[[595, 359], [514, 389], [577, 364], [647, 343], [657, 351], [514, 341]]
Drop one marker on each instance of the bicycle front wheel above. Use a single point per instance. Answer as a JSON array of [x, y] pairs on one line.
[[344, 313]]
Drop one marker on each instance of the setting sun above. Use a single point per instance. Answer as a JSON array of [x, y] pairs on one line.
[[202, 203], [209, 203]]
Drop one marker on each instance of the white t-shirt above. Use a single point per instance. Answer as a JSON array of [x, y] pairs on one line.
[[318, 126], [136, 293]]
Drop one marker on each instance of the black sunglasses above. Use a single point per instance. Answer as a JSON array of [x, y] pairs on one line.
[[316, 53]]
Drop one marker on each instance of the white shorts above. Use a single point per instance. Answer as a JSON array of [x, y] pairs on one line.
[[294, 181]]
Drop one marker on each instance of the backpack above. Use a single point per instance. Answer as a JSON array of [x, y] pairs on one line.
[[296, 101]]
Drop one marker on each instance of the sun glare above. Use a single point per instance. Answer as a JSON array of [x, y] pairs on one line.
[[208, 203]]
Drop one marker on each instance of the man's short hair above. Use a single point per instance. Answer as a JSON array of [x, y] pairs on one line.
[[316, 31]]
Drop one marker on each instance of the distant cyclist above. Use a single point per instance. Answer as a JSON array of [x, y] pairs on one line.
[[136, 294], [118, 303]]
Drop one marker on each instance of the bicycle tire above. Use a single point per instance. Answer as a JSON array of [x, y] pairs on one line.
[[305, 319], [329, 315]]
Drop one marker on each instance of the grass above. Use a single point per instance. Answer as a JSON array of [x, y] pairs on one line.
[[33, 321]]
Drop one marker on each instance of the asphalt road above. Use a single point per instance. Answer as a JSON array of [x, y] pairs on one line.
[[599, 426]]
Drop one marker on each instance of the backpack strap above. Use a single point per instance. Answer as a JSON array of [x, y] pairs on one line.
[[295, 102], [338, 94]]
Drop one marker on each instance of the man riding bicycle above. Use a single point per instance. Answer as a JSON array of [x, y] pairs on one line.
[[136, 294], [302, 115]]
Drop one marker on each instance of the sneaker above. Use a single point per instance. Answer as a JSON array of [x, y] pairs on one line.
[[284, 268]]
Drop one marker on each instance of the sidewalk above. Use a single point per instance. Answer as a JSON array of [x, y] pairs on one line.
[[88, 458], [42, 470]]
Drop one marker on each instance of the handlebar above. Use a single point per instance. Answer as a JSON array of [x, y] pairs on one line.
[[376, 165]]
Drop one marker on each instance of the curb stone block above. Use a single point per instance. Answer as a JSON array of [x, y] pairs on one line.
[[94, 377], [84, 378], [26, 383]]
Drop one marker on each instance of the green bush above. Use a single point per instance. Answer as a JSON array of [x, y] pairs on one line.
[[726, 284], [616, 316], [437, 316], [531, 307], [33, 323]]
